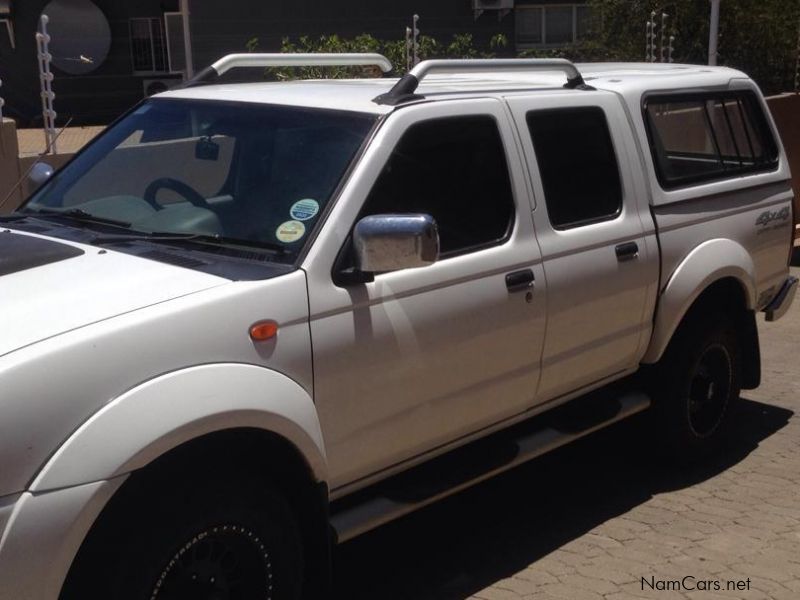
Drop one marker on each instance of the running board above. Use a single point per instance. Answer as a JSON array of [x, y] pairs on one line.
[[478, 461]]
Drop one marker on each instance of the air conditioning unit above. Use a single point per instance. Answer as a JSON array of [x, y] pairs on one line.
[[503, 7], [156, 86]]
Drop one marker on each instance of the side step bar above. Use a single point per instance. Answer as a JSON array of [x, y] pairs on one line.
[[476, 462]]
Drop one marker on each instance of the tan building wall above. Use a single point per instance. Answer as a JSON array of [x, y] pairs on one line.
[[9, 167], [13, 167], [786, 112]]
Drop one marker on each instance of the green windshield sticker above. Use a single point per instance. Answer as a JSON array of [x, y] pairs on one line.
[[303, 210]]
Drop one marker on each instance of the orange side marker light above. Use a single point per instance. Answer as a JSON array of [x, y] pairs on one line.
[[263, 331]]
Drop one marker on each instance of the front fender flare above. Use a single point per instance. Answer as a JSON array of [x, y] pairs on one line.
[[709, 262], [161, 414]]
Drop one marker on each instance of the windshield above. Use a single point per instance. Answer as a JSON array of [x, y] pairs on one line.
[[260, 174]]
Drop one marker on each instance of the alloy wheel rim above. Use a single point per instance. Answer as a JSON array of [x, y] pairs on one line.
[[709, 390], [226, 562]]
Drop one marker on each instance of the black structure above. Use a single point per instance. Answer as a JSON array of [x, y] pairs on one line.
[[96, 96], [145, 52]]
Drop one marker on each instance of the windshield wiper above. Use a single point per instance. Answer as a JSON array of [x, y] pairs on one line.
[[80, 216], [15, 216], [202, 239]]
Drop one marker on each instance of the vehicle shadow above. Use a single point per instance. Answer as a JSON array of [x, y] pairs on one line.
[[471, 540]]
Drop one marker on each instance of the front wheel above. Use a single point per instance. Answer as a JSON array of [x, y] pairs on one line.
[[695, 387], [226, 541]]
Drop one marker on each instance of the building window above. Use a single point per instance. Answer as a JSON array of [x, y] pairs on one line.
[[148, 47], [551, 24], [5, 18]]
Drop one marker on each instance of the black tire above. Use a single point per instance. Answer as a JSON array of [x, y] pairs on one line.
[[226, 540], [695, 387]]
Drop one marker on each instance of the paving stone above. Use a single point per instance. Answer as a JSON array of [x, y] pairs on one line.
[[535, 577], [541, 596], [600, 569], [593, 584], [519, 586], [629, 596], [637, 589], [497, 593], [570, 592]]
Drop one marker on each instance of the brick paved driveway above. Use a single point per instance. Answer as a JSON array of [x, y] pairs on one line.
[[589, 521]]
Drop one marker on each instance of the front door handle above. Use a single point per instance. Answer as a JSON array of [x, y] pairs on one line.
[[519, 281], [627, 251]]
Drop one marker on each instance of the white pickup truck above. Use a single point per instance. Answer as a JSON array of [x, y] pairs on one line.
[[250, 321]]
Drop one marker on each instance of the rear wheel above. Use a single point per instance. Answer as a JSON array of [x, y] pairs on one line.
[[695, 387]]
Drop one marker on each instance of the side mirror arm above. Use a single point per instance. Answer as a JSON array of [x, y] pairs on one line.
[[352, 276], [345, 273]]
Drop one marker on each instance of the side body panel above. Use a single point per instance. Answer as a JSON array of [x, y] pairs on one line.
[[709, 238], [160, 376], [599, 308], [421, 358], [121, 354], [751, 213], [736, 216]]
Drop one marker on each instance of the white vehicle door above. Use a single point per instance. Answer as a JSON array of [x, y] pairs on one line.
[[420, 358], [600, 257]]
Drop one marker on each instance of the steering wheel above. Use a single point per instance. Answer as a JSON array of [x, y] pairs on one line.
[[185, 190]]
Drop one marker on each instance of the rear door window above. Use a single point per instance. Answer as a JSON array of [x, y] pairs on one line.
[[577, 164]]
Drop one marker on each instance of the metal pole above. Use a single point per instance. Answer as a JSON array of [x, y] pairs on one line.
[[2, 103], [663, 36], [713, 35], [415, 47], [408, 49], [187, 39], [652, 57], [46, 81]]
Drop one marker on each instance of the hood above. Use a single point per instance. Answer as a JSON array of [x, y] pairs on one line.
[[49, 286]]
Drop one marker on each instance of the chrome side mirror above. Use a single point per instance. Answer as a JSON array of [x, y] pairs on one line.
[[38, 176], [393, 242]]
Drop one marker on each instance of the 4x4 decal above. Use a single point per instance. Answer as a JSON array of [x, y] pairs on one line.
[[769, 216]]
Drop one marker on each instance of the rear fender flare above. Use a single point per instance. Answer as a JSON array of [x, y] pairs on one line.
[[709, 262]]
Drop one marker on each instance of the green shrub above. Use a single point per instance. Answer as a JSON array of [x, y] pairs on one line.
[[756, 36], [460, 46]]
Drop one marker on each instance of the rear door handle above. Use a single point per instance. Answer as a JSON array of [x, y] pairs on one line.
[[519, 281], [627, 251]]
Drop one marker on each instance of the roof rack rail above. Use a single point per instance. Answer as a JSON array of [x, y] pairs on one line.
[[404, 90], [232, 61]]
